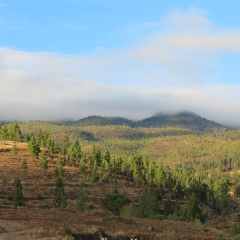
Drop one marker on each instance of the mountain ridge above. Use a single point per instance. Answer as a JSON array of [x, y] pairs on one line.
[[183, 119]]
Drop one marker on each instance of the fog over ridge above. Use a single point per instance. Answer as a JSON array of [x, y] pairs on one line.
[[173, 69]]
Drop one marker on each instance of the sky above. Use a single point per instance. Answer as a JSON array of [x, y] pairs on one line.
[[69, 59]]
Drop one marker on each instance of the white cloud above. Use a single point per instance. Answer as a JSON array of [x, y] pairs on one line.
[[167, 70], [192, 19]]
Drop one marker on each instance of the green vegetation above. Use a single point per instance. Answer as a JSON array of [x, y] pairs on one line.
[[115, 201], [192, 210], [182, 119], [59, 198], [149, 203], [44, 162], [14, 149], [59, 171], [11, 132], [33, 147], [24, 165], [18, 199], [67, 230], [14, 132], [74, 153], [179, 173], [81, 204]]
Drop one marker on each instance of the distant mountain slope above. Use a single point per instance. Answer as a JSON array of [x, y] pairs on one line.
[[183, 119], [103, 121], [187, 120]]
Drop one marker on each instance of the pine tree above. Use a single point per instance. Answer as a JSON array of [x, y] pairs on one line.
[[44, 162], [59, 198], [192, 210], [66, 143], [82, 166], [18, 199], [15, 132], [50, 144], [138, 170], [60, 161], [107, 156], [81, 201], [40, 138], [56, 172], [98, 157], [4, 133], [14, 149], [59, 169], [33, 147], [168, 207], [74, 153], [178, 190], [24, 165], [94, 177], [151, 171], [61, 172], [149, 203], [160, 177], [221, 189]]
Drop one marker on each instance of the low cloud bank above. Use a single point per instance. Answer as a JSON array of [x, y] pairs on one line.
[[171, 70]]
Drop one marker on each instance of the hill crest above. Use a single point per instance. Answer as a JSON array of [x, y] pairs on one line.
[[183, 119]]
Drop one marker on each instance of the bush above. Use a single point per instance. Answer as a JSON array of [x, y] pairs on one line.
[[128, 211], [67, 230], [220, 237], [236, 237], [115, 201]]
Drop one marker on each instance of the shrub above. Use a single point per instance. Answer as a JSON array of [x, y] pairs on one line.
[[115, 201], [236, 237], [128, 211], [67, 230]]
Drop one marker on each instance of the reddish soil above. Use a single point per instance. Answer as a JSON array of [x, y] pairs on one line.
[[39, 220]]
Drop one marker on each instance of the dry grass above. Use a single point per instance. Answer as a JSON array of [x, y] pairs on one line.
[[40, 221]]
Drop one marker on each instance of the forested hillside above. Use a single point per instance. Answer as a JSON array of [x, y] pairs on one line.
[[183, 119], [163, 174], [168, 145]]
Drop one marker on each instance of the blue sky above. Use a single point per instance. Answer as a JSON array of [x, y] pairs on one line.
[[67, 59], [80, 26]]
